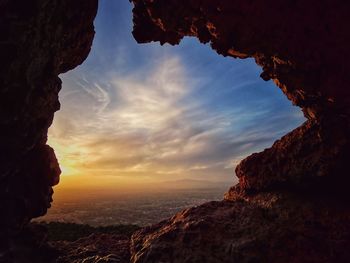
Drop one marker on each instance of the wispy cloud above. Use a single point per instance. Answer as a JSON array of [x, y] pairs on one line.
[[162, 112], [148, 122]]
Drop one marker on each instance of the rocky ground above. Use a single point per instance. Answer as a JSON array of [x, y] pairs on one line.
[[74, 243], [267, 227], [101, 248], [291, 204]]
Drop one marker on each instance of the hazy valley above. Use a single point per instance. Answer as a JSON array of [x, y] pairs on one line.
[[101, 208]]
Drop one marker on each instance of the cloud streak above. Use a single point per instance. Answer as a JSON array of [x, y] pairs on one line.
[[153, 126], [164, 113]]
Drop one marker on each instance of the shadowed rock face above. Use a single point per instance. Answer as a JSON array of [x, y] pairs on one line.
[[39, 39], [291, 202], [271, 215], [101, 248], [302, 47], [265, 228]]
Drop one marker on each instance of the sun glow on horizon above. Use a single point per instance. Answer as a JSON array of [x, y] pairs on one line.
[[149, 131], [140, 114], [62, 153]]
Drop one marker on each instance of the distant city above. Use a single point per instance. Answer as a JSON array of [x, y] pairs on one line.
[[133, 208]]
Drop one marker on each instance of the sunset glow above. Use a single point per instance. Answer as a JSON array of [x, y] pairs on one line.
[[140, 114]]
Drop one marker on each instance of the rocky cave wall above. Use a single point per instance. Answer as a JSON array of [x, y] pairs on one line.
[[302, 47], [39, 40], [291, 201], [290, 204]]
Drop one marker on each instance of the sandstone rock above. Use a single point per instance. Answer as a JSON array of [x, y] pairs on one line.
[[311, 158], [290, 203], [30, 245], [39, 39], [291, 44], [271, 227], [97, 248]]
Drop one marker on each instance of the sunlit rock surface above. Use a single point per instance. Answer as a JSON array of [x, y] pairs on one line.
[[290, 203], [265, 228], [302, 47], [39, 39], [102, 248]]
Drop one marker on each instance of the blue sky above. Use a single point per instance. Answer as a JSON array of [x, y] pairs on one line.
[[156, 112]]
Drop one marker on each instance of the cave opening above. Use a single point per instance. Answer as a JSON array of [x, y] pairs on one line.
[[134, 112], [143, 123]]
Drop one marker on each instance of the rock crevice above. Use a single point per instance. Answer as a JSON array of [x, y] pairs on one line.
[[289, 203]]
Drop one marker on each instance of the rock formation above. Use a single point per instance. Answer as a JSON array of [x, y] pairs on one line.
[[289, 205], [39, 40], [291, 201], [269, 227], [101, 248], [302, 48]]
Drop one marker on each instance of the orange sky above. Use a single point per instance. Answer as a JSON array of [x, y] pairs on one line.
[[135, 115]]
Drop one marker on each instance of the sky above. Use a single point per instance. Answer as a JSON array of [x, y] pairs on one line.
[[145, 113]]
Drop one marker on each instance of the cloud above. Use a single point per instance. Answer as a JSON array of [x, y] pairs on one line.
[[159, 121]]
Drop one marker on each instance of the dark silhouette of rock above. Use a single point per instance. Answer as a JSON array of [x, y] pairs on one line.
[[302, 47], [290, 203], [39, 39], [29, 246], [101, 248], [265, 228]]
